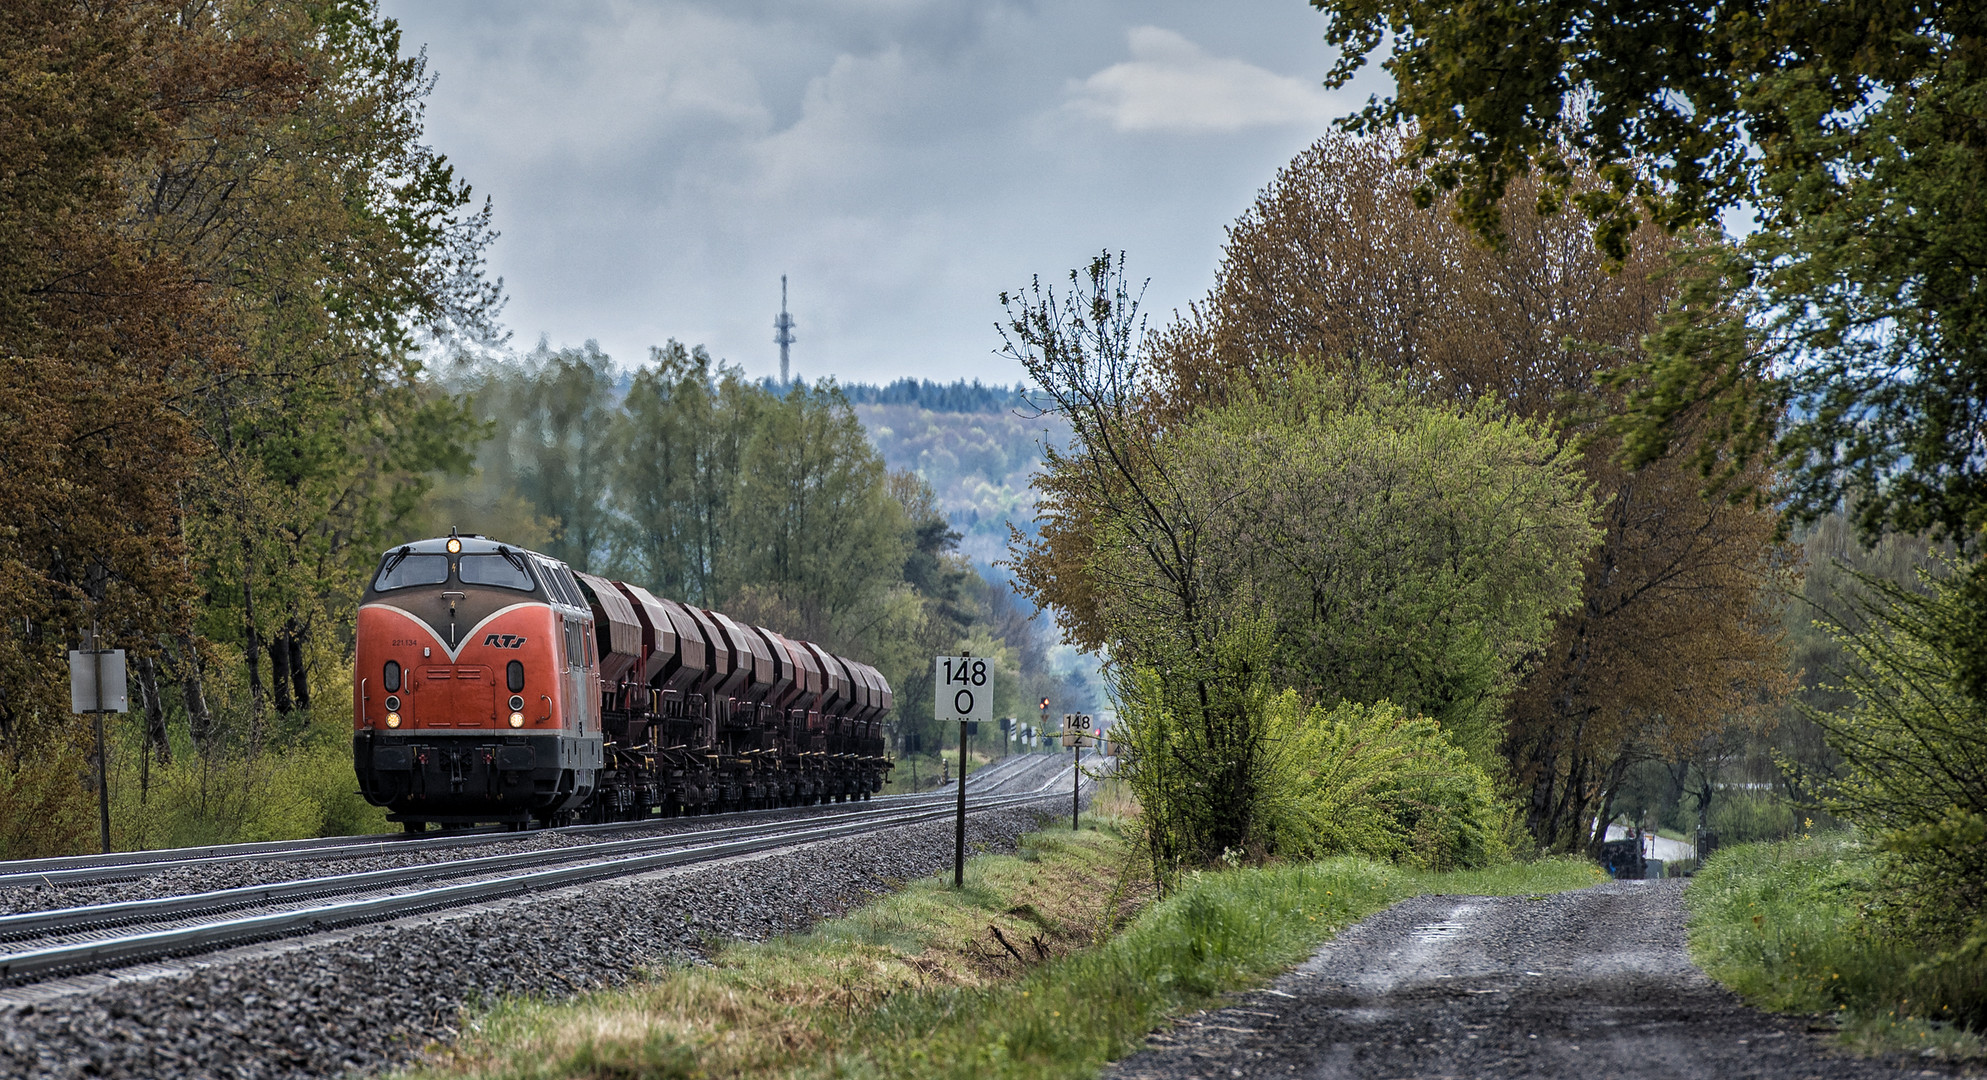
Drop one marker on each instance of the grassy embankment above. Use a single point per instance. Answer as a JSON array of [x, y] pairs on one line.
[[1789, 926], [917, 984]]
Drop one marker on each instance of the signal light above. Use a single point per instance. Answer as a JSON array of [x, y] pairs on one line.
[[517, 719], [393, 719], [1045, 704]]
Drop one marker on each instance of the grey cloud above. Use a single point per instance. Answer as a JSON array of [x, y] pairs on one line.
[[656, 167]]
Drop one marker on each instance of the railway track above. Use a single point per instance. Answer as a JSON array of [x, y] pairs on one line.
[[127, 866], [41, 944]]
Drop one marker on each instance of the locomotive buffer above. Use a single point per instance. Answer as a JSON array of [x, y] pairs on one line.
[[962, 691]]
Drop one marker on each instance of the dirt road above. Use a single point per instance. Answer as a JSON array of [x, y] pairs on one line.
[[1594, 983]]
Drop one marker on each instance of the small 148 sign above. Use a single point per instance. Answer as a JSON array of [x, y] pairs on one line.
[[964, 688]]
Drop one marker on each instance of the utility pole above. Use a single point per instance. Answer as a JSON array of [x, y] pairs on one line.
[[783, 335]]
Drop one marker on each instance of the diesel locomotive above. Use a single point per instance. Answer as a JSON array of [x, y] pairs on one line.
[[496, 684]]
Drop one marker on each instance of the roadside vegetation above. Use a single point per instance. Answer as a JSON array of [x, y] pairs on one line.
[[1086, 961], [1800, 926]]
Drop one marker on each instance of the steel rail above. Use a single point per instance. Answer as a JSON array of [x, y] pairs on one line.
[[126, 866], [96, 916], [200, 937]]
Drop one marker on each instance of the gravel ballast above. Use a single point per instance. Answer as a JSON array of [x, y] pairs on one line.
[[365, 1000], [391, 853]]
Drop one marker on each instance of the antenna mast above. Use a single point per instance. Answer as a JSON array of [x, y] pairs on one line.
[[784, 335]]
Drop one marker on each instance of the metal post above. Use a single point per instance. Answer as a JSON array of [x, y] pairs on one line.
[[1076, 786], [959, 827], [103, 778]]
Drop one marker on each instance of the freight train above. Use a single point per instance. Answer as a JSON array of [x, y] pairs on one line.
[[496, 684]]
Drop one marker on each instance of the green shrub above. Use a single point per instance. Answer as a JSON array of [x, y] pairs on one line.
[[1798, 926], [1312, 782], [1914, 777], [1371, 780], [1744, 817], [299, 786]]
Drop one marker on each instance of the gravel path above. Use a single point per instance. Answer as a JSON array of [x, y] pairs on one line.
[[365, 1000], [1594, 983]]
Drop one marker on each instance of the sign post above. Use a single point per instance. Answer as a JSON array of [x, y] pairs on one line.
[[963, 691], [91, 671], [1075, 728]]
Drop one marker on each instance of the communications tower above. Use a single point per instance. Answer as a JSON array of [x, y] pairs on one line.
[[783, 336]]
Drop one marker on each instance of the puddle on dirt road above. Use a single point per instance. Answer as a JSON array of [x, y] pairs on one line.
[[1437, 931]]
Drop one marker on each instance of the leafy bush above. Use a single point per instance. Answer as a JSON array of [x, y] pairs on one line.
[[1351, 780], [1915, 776], [1372, 780]]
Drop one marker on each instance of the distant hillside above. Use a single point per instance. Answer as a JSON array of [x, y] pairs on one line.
[[978, 460], [958, 397]]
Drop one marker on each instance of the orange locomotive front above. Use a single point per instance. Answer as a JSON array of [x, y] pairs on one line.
[[477, 691]]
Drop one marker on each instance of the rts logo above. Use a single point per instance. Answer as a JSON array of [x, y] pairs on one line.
[[504, 641]]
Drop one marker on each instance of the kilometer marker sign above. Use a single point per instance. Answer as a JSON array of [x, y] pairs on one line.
[[962, 691], [963, 688]]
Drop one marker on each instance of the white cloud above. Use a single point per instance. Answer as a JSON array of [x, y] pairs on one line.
[[1171, 84]]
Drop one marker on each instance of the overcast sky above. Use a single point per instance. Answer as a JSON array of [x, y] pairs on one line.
[[657, 166]]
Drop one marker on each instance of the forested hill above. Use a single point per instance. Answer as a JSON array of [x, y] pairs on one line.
[[977, 446], [954, 397]]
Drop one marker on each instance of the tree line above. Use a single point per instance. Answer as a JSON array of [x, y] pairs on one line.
[[225, 245], [1547, 250], [229, 265], [766, 502]]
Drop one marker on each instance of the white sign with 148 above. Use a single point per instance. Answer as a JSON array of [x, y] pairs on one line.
[[964, 688]]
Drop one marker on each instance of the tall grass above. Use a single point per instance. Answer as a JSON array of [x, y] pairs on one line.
[[1219, 932], [1796, 927], [893, 991]]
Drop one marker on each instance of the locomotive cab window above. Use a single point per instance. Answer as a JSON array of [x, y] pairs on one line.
[[575, 653], [390, 677], [514, 675], [400, 571], [493, 570]]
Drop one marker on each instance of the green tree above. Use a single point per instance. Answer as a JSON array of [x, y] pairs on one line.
[[1916, 773], [340, 241], [678, 470], [820, 537], [104, 342], [554, 413], [1329, 533], [1843, 337]]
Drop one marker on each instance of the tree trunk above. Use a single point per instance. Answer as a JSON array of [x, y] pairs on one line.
[[156, 743], [252, 642], [199, 721], [299, 678], [279, 671], [1597, 831]]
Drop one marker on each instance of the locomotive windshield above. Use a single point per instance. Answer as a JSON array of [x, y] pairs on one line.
[[400, 571], [493, 570]]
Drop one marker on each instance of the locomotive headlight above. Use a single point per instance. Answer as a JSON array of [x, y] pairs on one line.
[[517, 719], [517, 703], [393, 719], [454, 546]]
